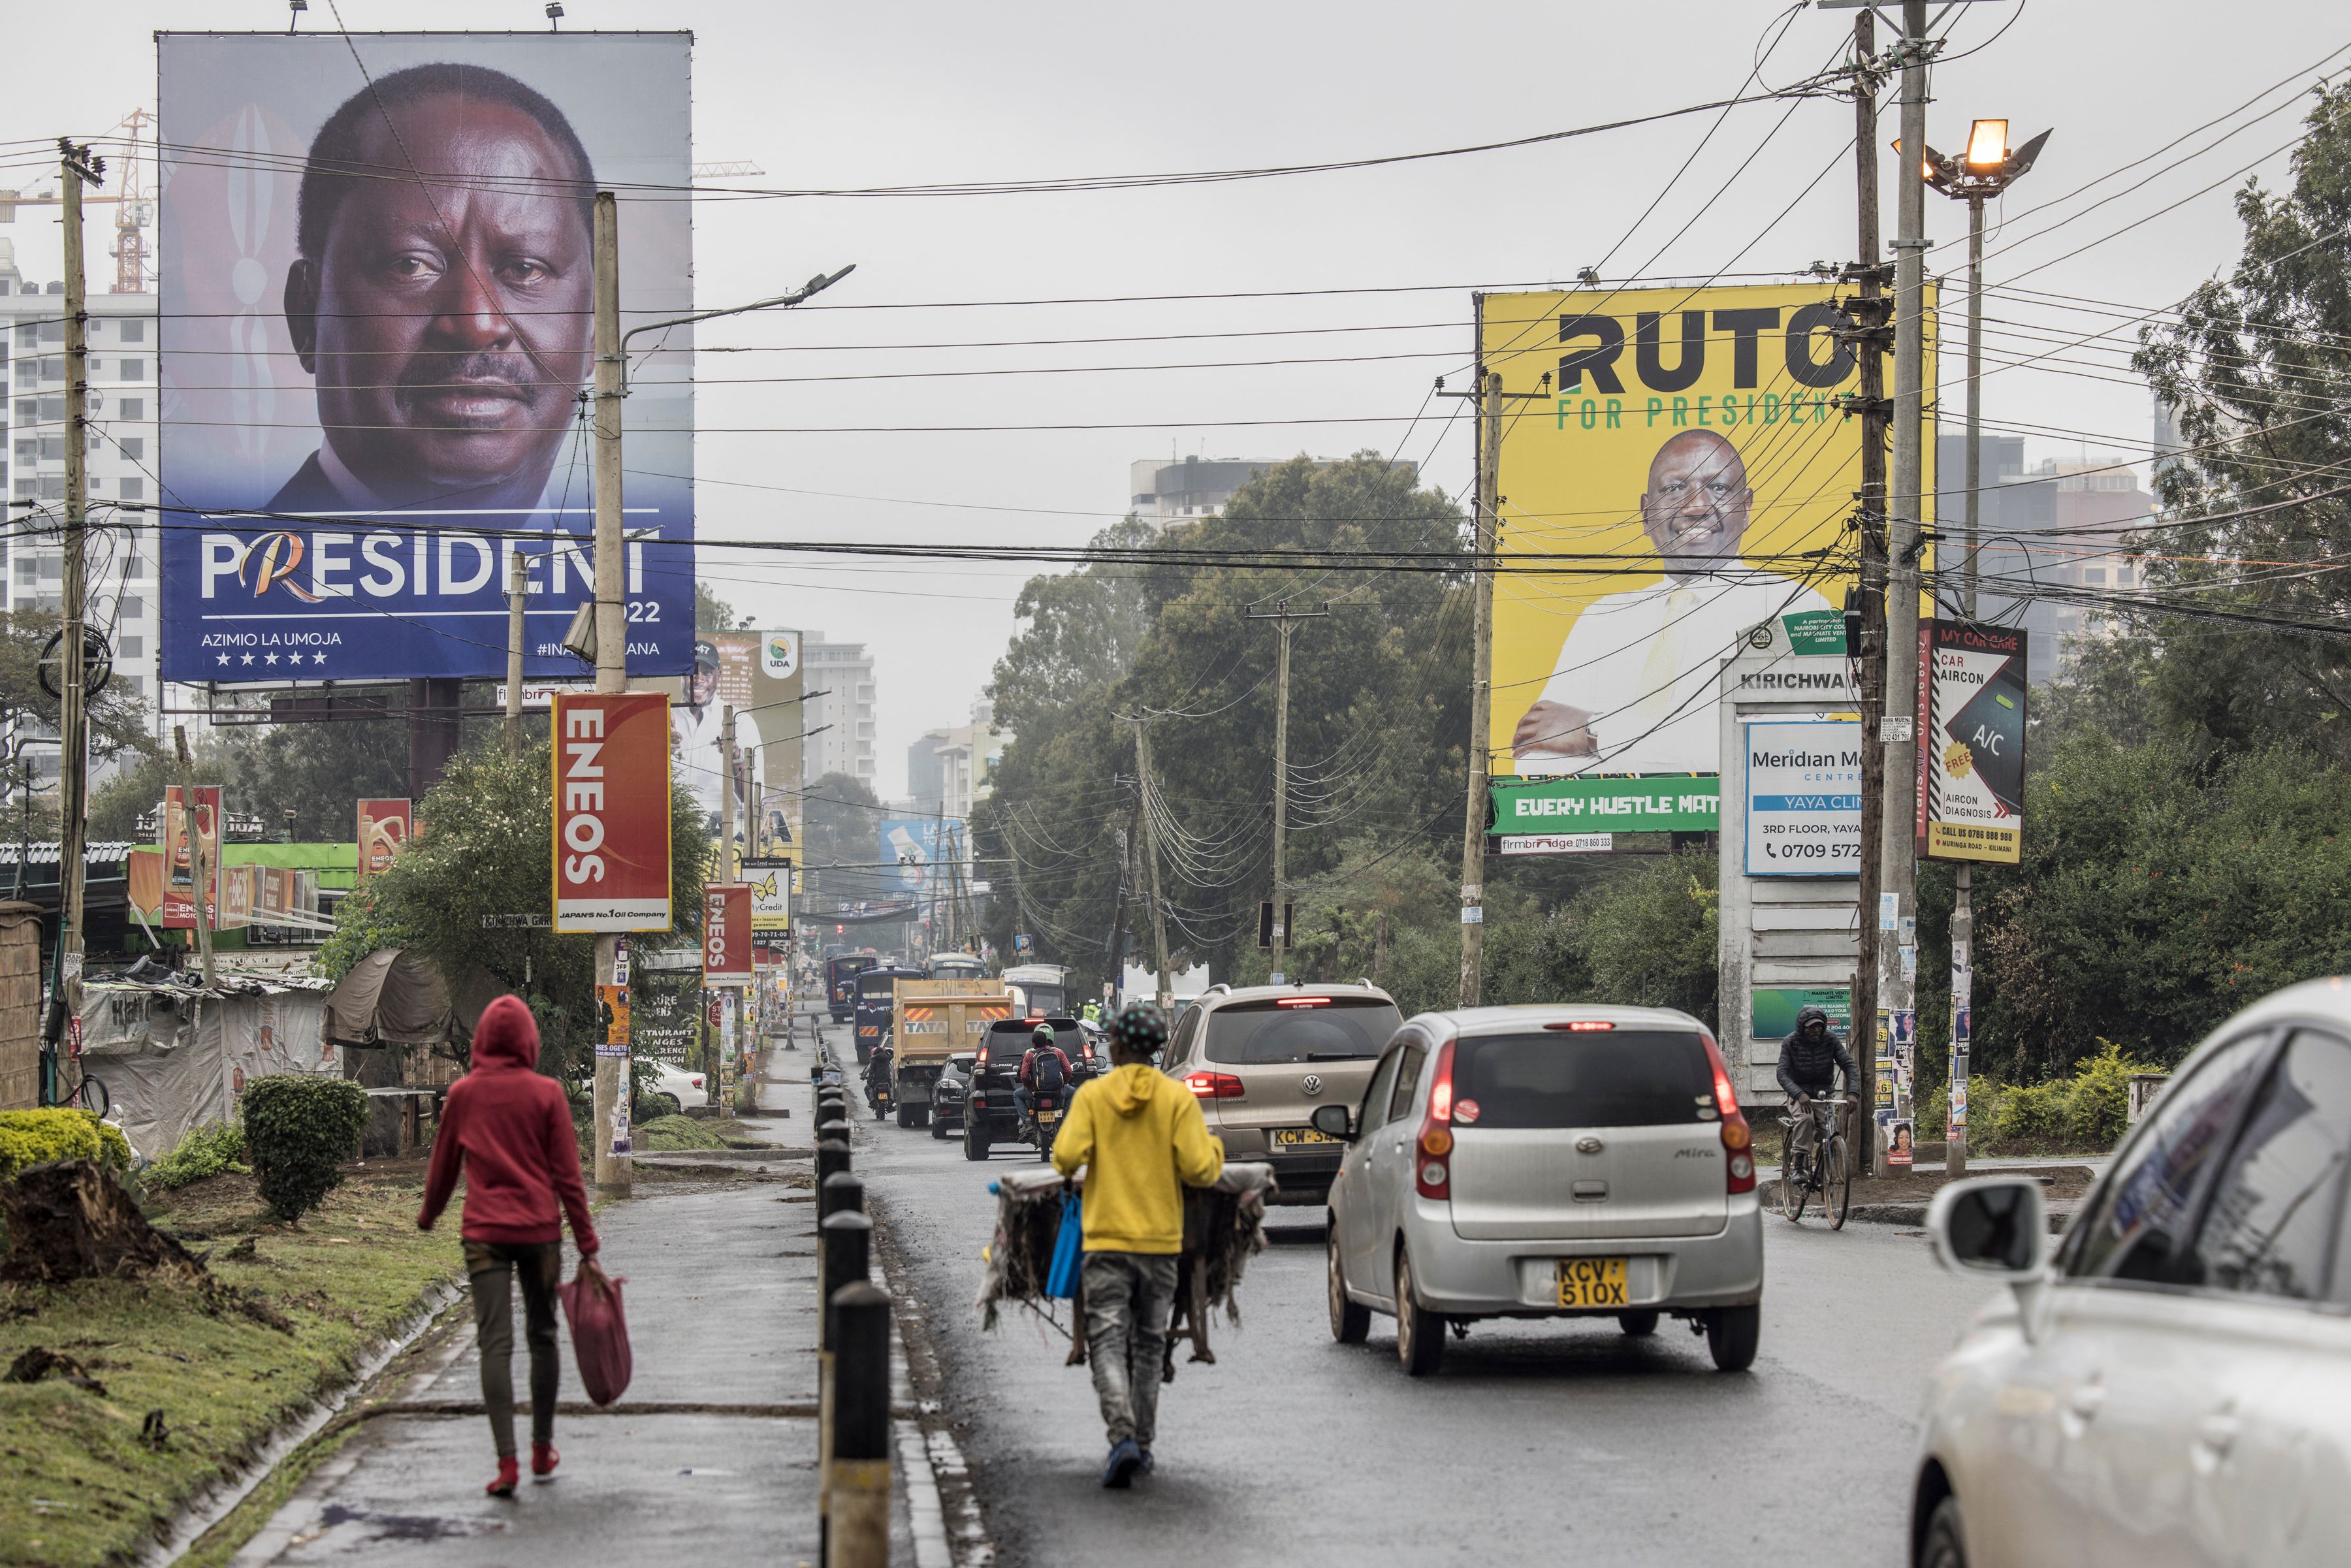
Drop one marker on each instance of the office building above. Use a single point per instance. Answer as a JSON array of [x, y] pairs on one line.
[[2062, 523], [121, 434], [843, 716], [949, 771]]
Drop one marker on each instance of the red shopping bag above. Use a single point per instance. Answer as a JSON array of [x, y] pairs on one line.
[[600, 1334]]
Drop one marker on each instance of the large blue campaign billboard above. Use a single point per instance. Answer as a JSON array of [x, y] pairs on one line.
[[377, 323]]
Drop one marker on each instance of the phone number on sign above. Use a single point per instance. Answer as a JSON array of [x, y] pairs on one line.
[[1851, 852]]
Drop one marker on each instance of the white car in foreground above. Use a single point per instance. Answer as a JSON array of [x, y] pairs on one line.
[[2173, 1385]]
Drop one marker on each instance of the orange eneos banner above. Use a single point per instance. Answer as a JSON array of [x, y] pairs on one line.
[[179, 867], [385, 828], [726, 934], [612, 813]]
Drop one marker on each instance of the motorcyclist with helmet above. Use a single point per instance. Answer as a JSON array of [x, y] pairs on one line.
[[1044, 1070]]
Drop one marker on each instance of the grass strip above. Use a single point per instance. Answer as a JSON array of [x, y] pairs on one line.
[[91, 1476]]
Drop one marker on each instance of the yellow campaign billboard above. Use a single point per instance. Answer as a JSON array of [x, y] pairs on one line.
[[1689, 476]]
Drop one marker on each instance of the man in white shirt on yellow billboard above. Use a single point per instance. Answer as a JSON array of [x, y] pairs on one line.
[[1632, 691]]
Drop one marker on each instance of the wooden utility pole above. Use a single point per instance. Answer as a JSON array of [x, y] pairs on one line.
[[1486, 524], [613, 1172], [73, 706], [1167, 993], [1282, 617], [1870, 343], [200, 875], [518, 585], [1897, 915]]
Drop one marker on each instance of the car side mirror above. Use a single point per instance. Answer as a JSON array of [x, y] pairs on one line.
[[1995, 1227], [1335, 1120]]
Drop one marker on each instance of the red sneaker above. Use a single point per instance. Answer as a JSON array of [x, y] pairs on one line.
[[508, 1474], [543, 1460]]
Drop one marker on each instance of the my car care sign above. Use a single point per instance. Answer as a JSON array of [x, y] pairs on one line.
[[726, 934], [611, 811]]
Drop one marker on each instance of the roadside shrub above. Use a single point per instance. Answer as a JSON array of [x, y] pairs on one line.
[[2088, 1111], [203, 1151], [299, 1131], [59, 1133]]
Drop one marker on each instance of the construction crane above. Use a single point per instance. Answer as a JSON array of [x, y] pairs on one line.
[[740, 168], [133, 202]]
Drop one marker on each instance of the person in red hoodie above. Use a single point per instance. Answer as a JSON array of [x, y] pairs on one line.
[[509, 1128]]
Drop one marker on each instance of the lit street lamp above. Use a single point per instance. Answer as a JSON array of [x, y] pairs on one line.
[[1984, 170]]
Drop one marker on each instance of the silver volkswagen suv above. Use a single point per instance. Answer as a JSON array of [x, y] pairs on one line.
[[1260, 1059], [1545, 1162]]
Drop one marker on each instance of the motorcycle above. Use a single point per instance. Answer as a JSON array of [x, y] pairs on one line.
[[1043, 1120], [877, 1081]]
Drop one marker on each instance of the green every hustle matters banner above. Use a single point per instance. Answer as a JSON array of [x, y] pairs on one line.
[[1680, 804]]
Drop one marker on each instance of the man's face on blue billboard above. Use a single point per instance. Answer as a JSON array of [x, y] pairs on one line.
[[447, 320]]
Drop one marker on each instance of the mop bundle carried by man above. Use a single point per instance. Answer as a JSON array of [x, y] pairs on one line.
[[1141, 1139]]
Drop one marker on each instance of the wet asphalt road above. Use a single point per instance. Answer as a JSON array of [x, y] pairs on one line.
[[1538, 1441]]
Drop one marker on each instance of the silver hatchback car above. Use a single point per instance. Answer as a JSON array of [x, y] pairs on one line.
[[1552, 1161], [1261, 1059]]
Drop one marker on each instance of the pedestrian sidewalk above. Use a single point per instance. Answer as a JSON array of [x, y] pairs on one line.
[[710, 1458]]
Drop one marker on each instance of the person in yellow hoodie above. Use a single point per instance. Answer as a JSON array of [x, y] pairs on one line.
[[1141, 1139]]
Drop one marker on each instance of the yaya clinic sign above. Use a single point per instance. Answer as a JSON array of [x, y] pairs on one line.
[[611, 811]]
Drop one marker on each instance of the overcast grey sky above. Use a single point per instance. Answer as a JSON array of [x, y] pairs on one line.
[[921, 90]]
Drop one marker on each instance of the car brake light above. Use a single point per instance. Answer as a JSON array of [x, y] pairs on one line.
[[1581, 1026], [1302, 1001], [1213, 1085], [697, 1084], [1434, 1179], [1738, 1138]]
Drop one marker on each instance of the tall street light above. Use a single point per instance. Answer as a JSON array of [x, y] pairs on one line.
[[1985, 170]]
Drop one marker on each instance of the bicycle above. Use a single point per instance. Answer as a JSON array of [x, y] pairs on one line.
[[1824, 1169], [89, 1096]]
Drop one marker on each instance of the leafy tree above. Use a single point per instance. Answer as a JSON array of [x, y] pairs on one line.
[[318, 771], [2257, 368], [2163, 888], [712, 613], [1378, 707], [119, 721], [483, 851], [840, 813]]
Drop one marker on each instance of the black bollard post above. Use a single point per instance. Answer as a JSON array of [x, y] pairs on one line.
[[857, 1489], [845, 1257], [831, 1157], [842, 1189]]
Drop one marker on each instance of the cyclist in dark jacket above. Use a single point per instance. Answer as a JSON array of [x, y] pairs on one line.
[[1810, 1060]]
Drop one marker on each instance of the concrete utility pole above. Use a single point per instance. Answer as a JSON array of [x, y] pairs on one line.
[[518, 585], [1486, 525], [1897, 913], [73, 706], [1166, 994], [614, 1173], [730, 866], [200, 875], [1869, 317], [1282, 617]]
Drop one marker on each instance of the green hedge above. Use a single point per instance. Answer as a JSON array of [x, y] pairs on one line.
[[2085, 1112], [299, 1131], [204, 1152], [60, 1133]]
